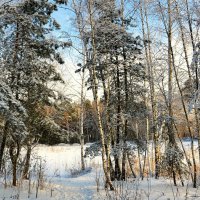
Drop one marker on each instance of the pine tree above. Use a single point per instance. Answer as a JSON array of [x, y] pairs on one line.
[[27, 57], [13, 116], [119, 69]]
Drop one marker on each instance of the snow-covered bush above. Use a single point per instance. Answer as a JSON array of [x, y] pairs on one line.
[[11, 110], [172, 161]]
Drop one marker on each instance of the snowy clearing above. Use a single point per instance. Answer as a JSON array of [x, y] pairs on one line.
[[62, 179]]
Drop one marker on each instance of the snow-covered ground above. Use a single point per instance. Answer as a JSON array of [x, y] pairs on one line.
[[61, 179], [60, 160]]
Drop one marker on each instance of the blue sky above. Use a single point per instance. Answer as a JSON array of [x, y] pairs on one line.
[[65, 17], [72, 87]]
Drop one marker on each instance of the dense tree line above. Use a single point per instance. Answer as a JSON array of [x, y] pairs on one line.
[[26, 66], [144, 78]]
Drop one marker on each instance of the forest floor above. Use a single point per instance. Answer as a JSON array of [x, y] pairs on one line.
[[61, 179]]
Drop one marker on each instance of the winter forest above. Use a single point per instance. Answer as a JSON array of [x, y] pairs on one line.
[[99, 99]]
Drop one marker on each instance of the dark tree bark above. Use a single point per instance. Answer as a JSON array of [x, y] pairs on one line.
[[27, 162], [3, 143], [14, 150]]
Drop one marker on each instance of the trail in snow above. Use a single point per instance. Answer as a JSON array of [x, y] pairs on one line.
[[82, 187]]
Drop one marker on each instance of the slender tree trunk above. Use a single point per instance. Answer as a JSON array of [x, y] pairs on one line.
[[146, 156], [124, 155], [170, 75], [3, 143], [14, 151], [14, 169], [146, 36], [106, 91], [171, 135], [95, 95], [171, 62], [79, 21], [189, 20], [138, 150], [81, 123], [124, 158], [183, 41], [185, 153], [188, 123], [190, 82], [82, 153], [117, 166], [27, 162], [131, 164]]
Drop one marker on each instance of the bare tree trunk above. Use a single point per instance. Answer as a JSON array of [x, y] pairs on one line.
[[138, 150], [95, 95], [146, 156], [14, 170], [171, 135], [188, 124], [131, 165], [183, 41], [117, 166], [3, 143], [124, 155], [185, 153], [181, 93], [81, 123], [189, 20], [27, 162], [151, 83], [171, 62], [14, 151], [82, 153], [168, 29], [79, 21], [170, 71], [106, 91]]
